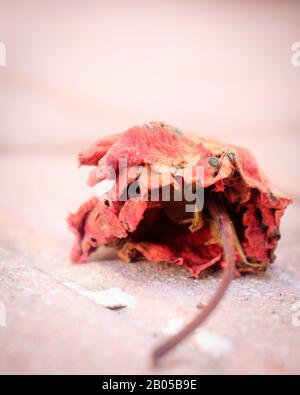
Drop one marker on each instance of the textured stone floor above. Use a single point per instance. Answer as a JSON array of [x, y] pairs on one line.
[[56, 319]]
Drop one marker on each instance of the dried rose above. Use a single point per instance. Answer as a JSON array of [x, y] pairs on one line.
[[164, 231]]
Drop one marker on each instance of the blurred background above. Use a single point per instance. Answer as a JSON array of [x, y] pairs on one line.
[[78, 70]]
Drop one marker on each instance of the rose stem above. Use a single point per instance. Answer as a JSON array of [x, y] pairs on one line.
[[219, 214]]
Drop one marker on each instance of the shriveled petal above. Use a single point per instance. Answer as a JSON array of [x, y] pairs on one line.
[[254, 205], [91, 156], [151, 251]]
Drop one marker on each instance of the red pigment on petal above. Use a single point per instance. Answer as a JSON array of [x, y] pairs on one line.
[[154, 230]]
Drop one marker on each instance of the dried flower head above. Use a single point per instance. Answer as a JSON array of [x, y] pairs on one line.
[[162, 229]]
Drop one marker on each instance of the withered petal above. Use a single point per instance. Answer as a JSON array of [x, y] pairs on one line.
[[137, 227]]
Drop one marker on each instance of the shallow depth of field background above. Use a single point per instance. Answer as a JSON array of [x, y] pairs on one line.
[[78, 70]]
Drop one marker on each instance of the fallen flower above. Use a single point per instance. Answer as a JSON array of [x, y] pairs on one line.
[[236, 228], [163, 231]]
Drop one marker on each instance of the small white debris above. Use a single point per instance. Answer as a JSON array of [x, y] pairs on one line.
[[212, 343], [173, 326], [113, 298]]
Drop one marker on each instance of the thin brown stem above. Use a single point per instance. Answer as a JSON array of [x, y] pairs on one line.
[[219, 214]]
